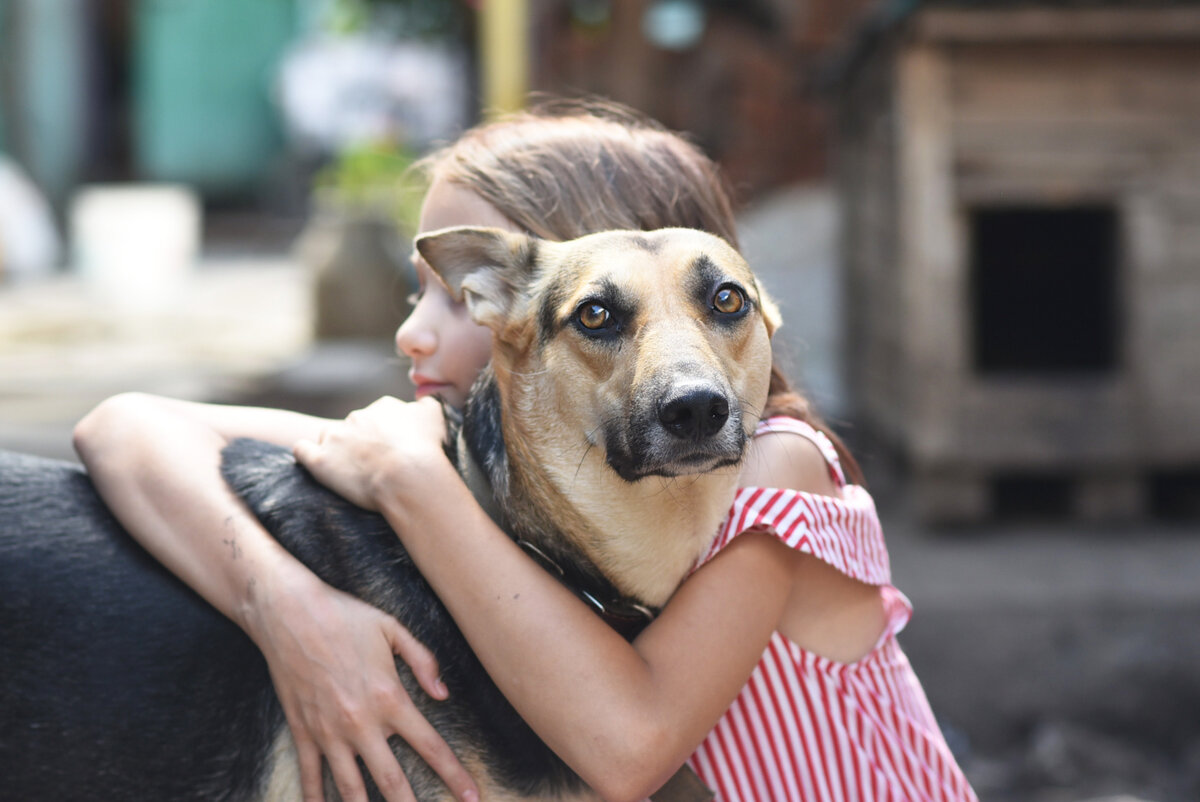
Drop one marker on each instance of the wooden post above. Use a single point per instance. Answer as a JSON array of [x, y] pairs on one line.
[[932, 295], [504, 54]]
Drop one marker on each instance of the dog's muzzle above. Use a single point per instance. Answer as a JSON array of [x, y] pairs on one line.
[[694, 415], [686, 429]]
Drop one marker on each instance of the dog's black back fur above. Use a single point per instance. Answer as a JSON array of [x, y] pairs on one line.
[[118, 682]]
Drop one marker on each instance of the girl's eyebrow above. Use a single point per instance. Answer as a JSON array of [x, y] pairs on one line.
[[419, 264], [425, 271]]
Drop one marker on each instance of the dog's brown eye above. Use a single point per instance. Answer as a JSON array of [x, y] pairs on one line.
[[729, 300], [594, 316]]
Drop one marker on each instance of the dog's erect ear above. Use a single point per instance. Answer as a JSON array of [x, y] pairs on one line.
[[770, 312], [487, 267]]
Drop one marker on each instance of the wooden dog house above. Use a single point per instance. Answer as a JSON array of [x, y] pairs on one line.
[[1021, 188]]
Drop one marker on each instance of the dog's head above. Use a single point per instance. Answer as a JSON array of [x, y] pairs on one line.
[[652, 346]]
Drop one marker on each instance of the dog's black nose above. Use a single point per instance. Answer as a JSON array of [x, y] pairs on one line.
[[695, 415]]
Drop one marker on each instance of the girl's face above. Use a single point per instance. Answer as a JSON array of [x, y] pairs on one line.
[[446, 347]]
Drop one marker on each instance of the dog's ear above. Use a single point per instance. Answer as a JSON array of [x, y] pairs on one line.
[[487, 267], [770, 312]]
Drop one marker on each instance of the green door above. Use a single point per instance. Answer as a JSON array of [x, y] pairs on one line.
[[203, 72]]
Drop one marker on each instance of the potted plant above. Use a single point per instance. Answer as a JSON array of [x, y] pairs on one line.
[[357, 243]]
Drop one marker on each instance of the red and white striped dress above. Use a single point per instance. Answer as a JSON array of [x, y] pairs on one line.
[[809, 728]]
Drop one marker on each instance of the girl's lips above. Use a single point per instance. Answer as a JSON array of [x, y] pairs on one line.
[[426, 388]]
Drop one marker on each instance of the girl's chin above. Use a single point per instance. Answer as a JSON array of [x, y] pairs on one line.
[[445, 392]]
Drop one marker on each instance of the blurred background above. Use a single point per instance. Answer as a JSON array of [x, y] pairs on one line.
[[980, 219]]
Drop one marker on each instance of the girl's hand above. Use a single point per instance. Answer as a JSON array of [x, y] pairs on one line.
[[354, 457], [331, 658]]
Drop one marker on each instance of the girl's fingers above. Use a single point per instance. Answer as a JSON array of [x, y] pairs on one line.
[[312, 784], [418, 657], [416, 730], [346, 775], [409, 723], [386, 772]]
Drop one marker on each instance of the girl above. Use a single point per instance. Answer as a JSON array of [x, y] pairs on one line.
[[773, 671]]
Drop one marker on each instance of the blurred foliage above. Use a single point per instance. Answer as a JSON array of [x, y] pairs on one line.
[[377, 178], [374, 179], [408, 18]]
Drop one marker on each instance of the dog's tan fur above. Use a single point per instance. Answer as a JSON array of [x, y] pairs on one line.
[[560, 390]]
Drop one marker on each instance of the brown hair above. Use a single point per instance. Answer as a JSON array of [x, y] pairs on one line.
[[570, 168]]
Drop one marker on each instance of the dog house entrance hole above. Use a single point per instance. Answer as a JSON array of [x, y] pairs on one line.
[[1044, 289]]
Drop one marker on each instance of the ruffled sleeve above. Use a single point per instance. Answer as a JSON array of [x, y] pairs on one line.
[[845, 532]]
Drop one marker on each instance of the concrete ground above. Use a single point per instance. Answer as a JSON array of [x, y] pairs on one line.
[[1062, 659]]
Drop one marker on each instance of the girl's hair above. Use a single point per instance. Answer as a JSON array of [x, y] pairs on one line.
[[569, 168]]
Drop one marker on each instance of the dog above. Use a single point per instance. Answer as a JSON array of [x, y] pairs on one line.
[[628, 372]]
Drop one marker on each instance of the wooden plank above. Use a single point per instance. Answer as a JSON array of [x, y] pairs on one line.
[[1072, 119], [994, 183], [972, 138], [1047, 24], [1076, 81], [1042, 421]]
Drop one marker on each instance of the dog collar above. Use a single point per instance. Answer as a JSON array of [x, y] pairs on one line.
[[627, 616]]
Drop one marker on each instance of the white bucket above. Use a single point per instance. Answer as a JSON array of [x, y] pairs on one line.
[[136, 244]]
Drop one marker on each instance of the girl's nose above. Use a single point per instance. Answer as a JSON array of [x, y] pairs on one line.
[[413, 339]]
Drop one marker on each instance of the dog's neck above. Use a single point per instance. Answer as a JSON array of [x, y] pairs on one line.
[[681, 515], [580, 512]]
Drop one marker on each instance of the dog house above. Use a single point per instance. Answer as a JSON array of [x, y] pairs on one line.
[[1021, 190]]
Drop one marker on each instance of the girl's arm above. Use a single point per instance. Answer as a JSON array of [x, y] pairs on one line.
[[156, 462], [623, 716]]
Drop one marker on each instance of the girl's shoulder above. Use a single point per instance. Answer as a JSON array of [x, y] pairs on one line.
[[794, 488], [789, 453]]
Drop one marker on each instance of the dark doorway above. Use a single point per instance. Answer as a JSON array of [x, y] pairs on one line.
[[1031, 496], [1175, 494], [110, 48], [1044, 289]]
